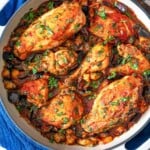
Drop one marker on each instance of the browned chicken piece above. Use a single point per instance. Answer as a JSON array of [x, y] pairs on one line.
[[63, 110], [109, 24], [51, 29], [116, 104], [36, 91], [57, 63], [96, 60], [143, 44], [134, 61]]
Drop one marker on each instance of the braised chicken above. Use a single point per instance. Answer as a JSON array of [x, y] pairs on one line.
[[63, 110], [109, 24], [134, 61], [57, 63], [78, 70], [143, 43], [36, 91], [96, 61], [116, 104], [50, 30]]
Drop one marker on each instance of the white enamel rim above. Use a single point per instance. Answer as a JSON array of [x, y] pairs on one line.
[[27, 129]]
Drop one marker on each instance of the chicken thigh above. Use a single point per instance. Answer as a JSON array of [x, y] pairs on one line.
[[36, 91], [63, 110], [51, 29], [134, 61], [96, 61], [57, 63], [116, 104], [109, 24]]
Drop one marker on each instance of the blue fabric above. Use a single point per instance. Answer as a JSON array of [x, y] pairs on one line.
[[10, 136]]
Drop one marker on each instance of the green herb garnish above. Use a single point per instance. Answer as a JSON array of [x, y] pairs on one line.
[[102, 14], [53, 82], [18, 43], [34, 70], [29, 16], [146, 73], [134, 65], [76, 26], [65, 120], [112, 75], [50, 5], [62, 131], [126, 60], [124, 99]]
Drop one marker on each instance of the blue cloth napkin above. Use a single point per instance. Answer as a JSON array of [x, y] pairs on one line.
[[11, 137]]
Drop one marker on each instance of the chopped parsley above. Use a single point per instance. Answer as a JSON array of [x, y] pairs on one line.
[[124, 99], [18, 43], [82, 121], [51, 140], [77, 26], [146, 73], [126, 59], [50, 95], [47, 28], [34, 70], [33, 108], [11, 57], [112, 75], [134, 65], [100, 52], [114, 103], [60, 113], [45, 53], [102, 14], [19, 108], [50, 5], [65, 120], [62, 131], [52, 82], [29, 17], [95, 84], [109, 39]]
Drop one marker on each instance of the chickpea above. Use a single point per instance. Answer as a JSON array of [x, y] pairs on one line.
[[6, 73], [15, 73], [58, 137], [87, 142], [70, 137], [107, 139], [9, 84]]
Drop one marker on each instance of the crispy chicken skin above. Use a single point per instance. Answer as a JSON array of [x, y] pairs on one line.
[[96, 60], [108, 24], [134, 60], [36, 91], [116, 104], [51, 29], [63, 110], [57, 63]]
